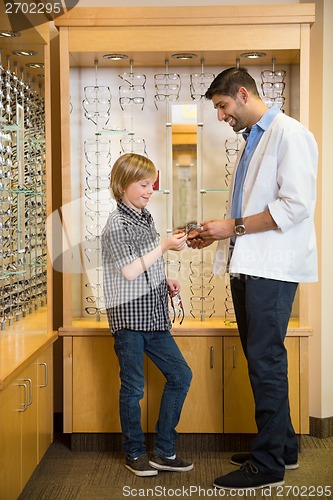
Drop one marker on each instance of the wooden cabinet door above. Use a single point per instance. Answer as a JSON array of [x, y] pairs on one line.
[[238, 398], [29, 423], [96, 386], [45, 401], [10, 442], [202, 410]]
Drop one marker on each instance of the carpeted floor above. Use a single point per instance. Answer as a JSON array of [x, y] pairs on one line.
[[65, 475]]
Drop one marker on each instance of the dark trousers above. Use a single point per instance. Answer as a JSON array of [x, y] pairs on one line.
[[263, 308]]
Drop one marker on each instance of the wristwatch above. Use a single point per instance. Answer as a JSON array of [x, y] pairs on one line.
[[239, 227]]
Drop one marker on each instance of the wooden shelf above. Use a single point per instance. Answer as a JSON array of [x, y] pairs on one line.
[[189, 327]]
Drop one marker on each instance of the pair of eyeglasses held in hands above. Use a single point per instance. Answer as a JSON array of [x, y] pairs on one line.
[[189, 226], [176, 307]]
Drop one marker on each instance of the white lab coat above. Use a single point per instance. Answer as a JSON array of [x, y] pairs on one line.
[[281, 177]]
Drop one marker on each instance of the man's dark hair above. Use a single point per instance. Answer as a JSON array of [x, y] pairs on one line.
[[229, 81]]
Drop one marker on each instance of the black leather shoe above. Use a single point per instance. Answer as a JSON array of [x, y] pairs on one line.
[[241, 458], [248, 477]]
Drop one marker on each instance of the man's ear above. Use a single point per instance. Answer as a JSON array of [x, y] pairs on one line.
[[243, 94]]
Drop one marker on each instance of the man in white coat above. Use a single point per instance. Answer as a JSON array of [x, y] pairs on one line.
[[267, 243]]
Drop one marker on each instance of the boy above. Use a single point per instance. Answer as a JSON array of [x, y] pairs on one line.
[[136, 294]]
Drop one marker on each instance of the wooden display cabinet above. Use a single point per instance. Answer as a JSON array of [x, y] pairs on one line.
[[45, 401], [219, 35], [239, 410], [219, 400], [10, 437], [95, 370], [203, 407], [26, 333], [26, 416]]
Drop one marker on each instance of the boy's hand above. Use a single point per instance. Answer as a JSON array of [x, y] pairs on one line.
[[175, 242], [173, 287]]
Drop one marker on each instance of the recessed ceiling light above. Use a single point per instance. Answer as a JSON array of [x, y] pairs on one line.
[[26, 53], [9, 34], [184, 55], [253, 55], [115, 57], [35, 65]]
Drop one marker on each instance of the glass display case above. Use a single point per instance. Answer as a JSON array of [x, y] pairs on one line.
[[193, 152], [151, 101], [23, 254]]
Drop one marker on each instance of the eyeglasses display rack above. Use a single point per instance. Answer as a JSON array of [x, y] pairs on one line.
[[22, 197], [189, 188], [98, 157], [200, 83]]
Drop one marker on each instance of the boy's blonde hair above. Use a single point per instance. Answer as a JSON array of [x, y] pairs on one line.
[[130, 168]]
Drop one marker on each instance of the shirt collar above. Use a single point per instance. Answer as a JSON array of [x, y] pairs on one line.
[[264, 121], [134, 214]]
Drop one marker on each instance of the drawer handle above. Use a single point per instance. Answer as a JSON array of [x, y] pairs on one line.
[[46, 383], [29, 403], [212, 357], [25, 404], [234, 356]]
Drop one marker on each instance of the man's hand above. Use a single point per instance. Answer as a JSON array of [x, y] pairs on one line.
[[199, 242], [209, 232], [217, 229]]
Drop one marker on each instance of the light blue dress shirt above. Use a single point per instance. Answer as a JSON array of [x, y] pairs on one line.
[[252, 138]]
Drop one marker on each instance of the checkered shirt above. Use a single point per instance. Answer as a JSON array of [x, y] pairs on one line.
[[140, 304]]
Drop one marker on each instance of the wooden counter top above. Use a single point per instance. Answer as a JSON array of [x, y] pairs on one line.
[[190, 327], [21, 343]]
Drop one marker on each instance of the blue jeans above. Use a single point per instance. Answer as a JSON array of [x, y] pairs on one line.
[[162, 349], [262, 308]]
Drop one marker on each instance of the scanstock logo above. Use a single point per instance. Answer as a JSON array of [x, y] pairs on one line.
[[20, 15]]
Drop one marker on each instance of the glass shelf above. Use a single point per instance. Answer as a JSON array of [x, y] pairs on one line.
[[33, 140], [204, 191], [113, 131], [163, 191], [12, 127], [22, 191], [5, 274]]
